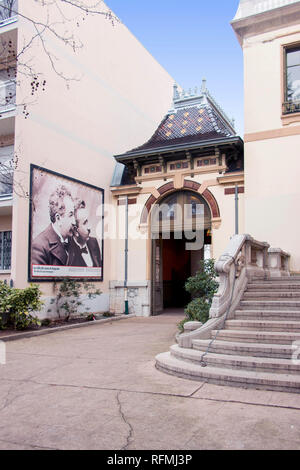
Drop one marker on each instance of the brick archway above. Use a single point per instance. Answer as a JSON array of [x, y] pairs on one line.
[[191, 186]]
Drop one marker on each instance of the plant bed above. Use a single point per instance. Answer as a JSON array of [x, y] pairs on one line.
[[56, 323], [73, 320]]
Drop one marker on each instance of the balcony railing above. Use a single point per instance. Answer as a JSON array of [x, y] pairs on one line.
[[7, 95], [289, 107], [8, 11]]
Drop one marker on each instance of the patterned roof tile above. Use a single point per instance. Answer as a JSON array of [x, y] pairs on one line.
[[187, 125]]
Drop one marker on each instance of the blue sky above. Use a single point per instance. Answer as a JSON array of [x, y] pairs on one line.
[[191, 40]]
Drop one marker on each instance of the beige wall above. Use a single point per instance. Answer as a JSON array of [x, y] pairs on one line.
[[221, 236], [272, 164], [272, 171], [115, 104]]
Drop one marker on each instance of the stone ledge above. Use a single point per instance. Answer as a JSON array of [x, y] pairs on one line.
[[130, 284], [46, 331]]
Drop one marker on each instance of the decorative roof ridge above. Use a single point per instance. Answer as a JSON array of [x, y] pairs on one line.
[[188, 106], [221, 111], [182, 98]]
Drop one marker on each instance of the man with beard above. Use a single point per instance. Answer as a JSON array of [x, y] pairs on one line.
[[83, 249], [51, 246]]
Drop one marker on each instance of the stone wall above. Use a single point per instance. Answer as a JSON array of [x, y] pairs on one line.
[[138, 297]]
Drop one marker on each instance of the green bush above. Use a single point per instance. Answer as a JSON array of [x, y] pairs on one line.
[[202, 287], [17, 305]]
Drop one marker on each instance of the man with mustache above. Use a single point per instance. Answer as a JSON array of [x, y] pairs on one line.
[[83, 249], [51, 246]]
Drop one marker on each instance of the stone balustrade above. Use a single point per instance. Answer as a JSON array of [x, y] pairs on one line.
[[243, 260], [278, 262]]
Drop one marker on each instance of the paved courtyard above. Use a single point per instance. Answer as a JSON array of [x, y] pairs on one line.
[[97, 388]]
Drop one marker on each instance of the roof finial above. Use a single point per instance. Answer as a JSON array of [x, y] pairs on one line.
[[203, 87], [175, 92]]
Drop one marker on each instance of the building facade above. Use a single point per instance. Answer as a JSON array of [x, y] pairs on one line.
[[269, 33], [191, 166]]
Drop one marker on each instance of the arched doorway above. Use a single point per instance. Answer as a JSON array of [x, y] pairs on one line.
[[181, 238]]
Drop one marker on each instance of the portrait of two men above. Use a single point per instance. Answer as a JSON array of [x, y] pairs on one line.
[[66, 227]]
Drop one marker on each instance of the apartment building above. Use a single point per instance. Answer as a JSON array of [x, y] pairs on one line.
[[64, 113], [8, 29]]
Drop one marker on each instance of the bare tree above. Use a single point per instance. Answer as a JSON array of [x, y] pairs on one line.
[[60, 21], [64, 29]]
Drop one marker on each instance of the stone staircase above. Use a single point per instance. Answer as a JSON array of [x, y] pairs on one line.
[[255, 348]]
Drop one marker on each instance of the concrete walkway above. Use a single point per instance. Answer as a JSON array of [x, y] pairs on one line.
[[97, 388]]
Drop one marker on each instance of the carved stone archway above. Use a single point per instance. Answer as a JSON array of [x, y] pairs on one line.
[[188, 185]]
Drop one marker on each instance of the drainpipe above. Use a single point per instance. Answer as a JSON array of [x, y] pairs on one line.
[[126, 311], [236, 209]]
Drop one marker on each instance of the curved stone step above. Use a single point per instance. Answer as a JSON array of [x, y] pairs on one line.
[[245, 349], [268, 314], [230, 361], [272, 294], [238, 378], [294, 278], [264, 325], [269, 305], [259, 336], [271, 286]]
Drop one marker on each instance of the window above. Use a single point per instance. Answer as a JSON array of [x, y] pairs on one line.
[[152, 169], [6, 170], [292, 80], [5, 251], [179, 211], [207, 161], [8, 9], [7, 89], [179, 165]]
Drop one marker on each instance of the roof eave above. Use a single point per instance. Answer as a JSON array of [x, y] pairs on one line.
[[265, 21], [178, 147]]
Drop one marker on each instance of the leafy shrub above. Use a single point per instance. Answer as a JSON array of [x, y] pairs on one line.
[[91, 317], [68, 296], [107, 314], [202, 287], [18, 304]]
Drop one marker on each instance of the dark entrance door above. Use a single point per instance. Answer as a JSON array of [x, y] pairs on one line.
[[157, 277], [176, 270], [174, 259]]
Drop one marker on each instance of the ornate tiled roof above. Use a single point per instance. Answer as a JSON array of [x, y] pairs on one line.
[[194, 118]]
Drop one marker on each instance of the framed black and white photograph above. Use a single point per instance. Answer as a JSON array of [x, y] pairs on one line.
[[65, 228]]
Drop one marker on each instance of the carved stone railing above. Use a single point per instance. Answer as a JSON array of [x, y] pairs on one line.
[[243, 260], [278, 262]]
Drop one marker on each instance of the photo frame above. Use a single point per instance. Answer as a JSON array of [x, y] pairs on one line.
[[65, 228]]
